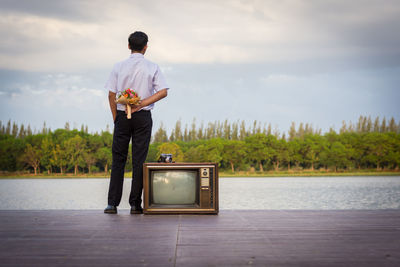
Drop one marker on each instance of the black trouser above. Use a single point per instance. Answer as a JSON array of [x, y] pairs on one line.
[[139, 129]]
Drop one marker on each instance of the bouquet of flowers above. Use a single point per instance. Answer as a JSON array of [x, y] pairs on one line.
[[128, 97]]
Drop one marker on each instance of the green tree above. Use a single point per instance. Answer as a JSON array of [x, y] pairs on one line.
[[107, 139], [194, 154], [152, 153], [259, 148], [352, 141], [75, 147], [29, 130], [243, 132], [343, 129], [312, 146], [394, 150], [32, 157], [376, 148], [210, 131], [10, 151], [392, 126], [393, 158], [281, 154], [90, 159], [369, 125], [383, 128], [93, 144], [14, 131], [192, 132], [22, 131], [59, 158], [161, 135], [292, 131], [336, 156], [47, 153], [227, 130], [186, 134], [212, 150], [66, 126], [269, 129], [294, 156], [8, 128], [234, 152], [361, 145], [200, 132], [376, 125], [104, 156], [177, 132]]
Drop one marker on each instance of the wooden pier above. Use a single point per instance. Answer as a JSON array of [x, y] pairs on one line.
[[232, 238]]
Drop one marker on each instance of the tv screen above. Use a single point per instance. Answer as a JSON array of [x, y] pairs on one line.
[[174, 187]]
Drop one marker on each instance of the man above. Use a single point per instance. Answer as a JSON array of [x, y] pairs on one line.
[[146, 79]]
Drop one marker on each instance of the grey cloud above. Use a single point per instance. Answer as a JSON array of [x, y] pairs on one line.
[[307, 35], [81, 10], [362, 31], [12, 81], [369, 28], [338, 35], [261, 92], [212, 92]]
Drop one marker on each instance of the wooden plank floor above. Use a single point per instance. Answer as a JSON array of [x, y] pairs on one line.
[[232, 238]]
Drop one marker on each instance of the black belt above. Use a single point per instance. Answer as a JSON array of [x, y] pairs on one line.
[[142, 110]]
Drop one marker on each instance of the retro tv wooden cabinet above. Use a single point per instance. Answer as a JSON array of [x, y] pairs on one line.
[[180, 188]]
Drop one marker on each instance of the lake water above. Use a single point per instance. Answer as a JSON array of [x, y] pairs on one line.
[[314, 193]]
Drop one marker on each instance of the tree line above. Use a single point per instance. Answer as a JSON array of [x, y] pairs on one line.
[[239, 130], [234, 146]]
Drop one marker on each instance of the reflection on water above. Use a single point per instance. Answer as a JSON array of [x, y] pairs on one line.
[[235, 193]]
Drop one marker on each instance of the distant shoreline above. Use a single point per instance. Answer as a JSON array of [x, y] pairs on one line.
[[222, 174], [308, 174]]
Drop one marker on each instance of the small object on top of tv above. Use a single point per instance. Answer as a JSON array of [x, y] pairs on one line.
[[166, 158]]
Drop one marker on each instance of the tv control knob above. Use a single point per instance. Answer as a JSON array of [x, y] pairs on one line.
[[204, 172]]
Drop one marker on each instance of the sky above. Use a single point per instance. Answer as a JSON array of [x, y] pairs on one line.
[[278, 62]]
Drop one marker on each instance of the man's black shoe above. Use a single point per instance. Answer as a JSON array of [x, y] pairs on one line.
[[111, 209], [136, 210]]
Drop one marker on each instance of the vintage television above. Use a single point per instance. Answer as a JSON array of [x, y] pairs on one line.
[[180, 188]]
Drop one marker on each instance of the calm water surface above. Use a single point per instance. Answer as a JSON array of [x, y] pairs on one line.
[[235, 193]]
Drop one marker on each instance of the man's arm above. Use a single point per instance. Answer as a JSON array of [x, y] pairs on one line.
[[113, 105], [150, 100]]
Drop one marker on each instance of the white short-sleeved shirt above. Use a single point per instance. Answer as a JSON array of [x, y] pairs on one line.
[[139, 74]]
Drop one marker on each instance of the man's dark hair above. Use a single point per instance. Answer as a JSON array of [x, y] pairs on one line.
[[137, 41]]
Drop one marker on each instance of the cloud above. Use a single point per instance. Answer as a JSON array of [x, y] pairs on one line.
[[56, 99], [272, 61], [77, 35], [207, 92], [72, 10], [255, 92], [34, 43]]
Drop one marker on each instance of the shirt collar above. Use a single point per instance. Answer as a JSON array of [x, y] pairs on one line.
[[136, 55]]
